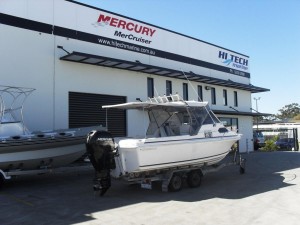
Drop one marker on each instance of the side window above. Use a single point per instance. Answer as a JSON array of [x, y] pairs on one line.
[[150, 87], [213, 96], [185, 91], [200, 93], [224, 97], [168, 87], [235, 98]]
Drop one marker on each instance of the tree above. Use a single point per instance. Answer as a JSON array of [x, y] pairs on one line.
[[289, 111], [297, 117]]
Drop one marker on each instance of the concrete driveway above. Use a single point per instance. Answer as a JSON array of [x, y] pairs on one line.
[[268, 193]]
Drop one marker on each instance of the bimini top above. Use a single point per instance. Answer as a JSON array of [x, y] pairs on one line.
[[157, 102]]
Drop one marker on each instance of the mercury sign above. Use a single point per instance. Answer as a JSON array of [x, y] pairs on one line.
[[233, 60], [111, 21]]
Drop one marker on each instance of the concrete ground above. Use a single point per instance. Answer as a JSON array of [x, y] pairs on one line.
[[268, 193]]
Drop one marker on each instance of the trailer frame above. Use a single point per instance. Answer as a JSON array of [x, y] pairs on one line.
[[11, 174], [173, 178]]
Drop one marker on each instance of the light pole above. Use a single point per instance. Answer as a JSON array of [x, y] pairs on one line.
[[256, 99]]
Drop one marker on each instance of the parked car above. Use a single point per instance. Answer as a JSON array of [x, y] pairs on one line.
[[285, 143], [258, 139]]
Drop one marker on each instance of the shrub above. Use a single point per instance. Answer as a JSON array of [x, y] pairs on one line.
[[270, 145]]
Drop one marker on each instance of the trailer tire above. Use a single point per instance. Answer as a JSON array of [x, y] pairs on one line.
[[194, 178], [175, 183]]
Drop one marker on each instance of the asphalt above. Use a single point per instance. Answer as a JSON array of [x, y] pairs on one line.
[[268, 193]]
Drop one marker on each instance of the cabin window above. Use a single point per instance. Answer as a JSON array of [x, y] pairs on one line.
[[165, 121], [174, 121], [201, 116]]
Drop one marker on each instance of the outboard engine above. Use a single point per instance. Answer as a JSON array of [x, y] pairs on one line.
[[100, 148]]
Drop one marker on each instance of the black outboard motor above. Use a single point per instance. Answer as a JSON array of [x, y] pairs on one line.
[[100, 149]]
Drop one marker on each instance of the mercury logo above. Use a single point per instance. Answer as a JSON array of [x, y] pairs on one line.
[[104, 20]]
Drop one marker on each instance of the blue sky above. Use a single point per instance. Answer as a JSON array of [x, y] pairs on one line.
[[266, 30]]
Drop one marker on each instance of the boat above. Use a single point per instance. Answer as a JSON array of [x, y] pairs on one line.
[[180, 134], [23, 150]]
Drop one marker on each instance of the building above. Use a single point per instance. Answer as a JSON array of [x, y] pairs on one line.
[[79, 57]]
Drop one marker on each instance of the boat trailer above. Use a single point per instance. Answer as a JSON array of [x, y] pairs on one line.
[[172, 179]]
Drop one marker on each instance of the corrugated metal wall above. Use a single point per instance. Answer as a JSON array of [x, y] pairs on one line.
[[85, 110]]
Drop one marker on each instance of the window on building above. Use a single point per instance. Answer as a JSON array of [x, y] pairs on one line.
[[168, 87], [213, 96], [230, 123], [150, 87], [200, 93], [224, 97], [185, 91], [235, 95]]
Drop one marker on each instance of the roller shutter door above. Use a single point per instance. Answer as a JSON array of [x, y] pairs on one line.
[[85, 110]]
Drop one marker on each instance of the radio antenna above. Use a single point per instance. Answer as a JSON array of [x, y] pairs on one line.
[[191, 85]]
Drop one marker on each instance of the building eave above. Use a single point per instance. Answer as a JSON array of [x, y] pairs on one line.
[[97, 60]]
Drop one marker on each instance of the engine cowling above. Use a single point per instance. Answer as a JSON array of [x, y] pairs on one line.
[[100, 149]]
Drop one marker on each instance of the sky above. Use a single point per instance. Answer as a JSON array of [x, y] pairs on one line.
[[268, 31]]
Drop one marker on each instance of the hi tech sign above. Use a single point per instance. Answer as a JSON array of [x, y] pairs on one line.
[[138, 33], [233, 60]]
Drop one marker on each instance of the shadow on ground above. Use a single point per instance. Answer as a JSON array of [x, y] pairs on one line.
[[68, 198]]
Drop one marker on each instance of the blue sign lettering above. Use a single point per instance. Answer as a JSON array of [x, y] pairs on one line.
[[235, 61]]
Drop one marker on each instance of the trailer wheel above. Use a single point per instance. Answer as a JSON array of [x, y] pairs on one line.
[[194, 178], [175, 183]]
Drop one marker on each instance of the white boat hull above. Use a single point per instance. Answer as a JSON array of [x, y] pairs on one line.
[[167, 152]]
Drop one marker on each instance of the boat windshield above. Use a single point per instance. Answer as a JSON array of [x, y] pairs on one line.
[[176, 121]]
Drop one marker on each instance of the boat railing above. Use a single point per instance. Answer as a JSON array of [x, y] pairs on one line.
[[12, 101], [165, 98]]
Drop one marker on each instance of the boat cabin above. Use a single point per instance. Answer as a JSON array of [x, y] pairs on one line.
[[171, 116]]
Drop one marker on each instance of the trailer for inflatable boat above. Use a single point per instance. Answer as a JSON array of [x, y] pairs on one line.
[[9, 175]]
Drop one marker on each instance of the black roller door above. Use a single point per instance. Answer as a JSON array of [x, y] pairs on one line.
[[85, 110]]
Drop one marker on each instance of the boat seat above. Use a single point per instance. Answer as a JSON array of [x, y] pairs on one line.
[[164, 99], [154, 100]]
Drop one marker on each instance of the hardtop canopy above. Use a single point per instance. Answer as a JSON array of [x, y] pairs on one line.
[[151, 105]]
